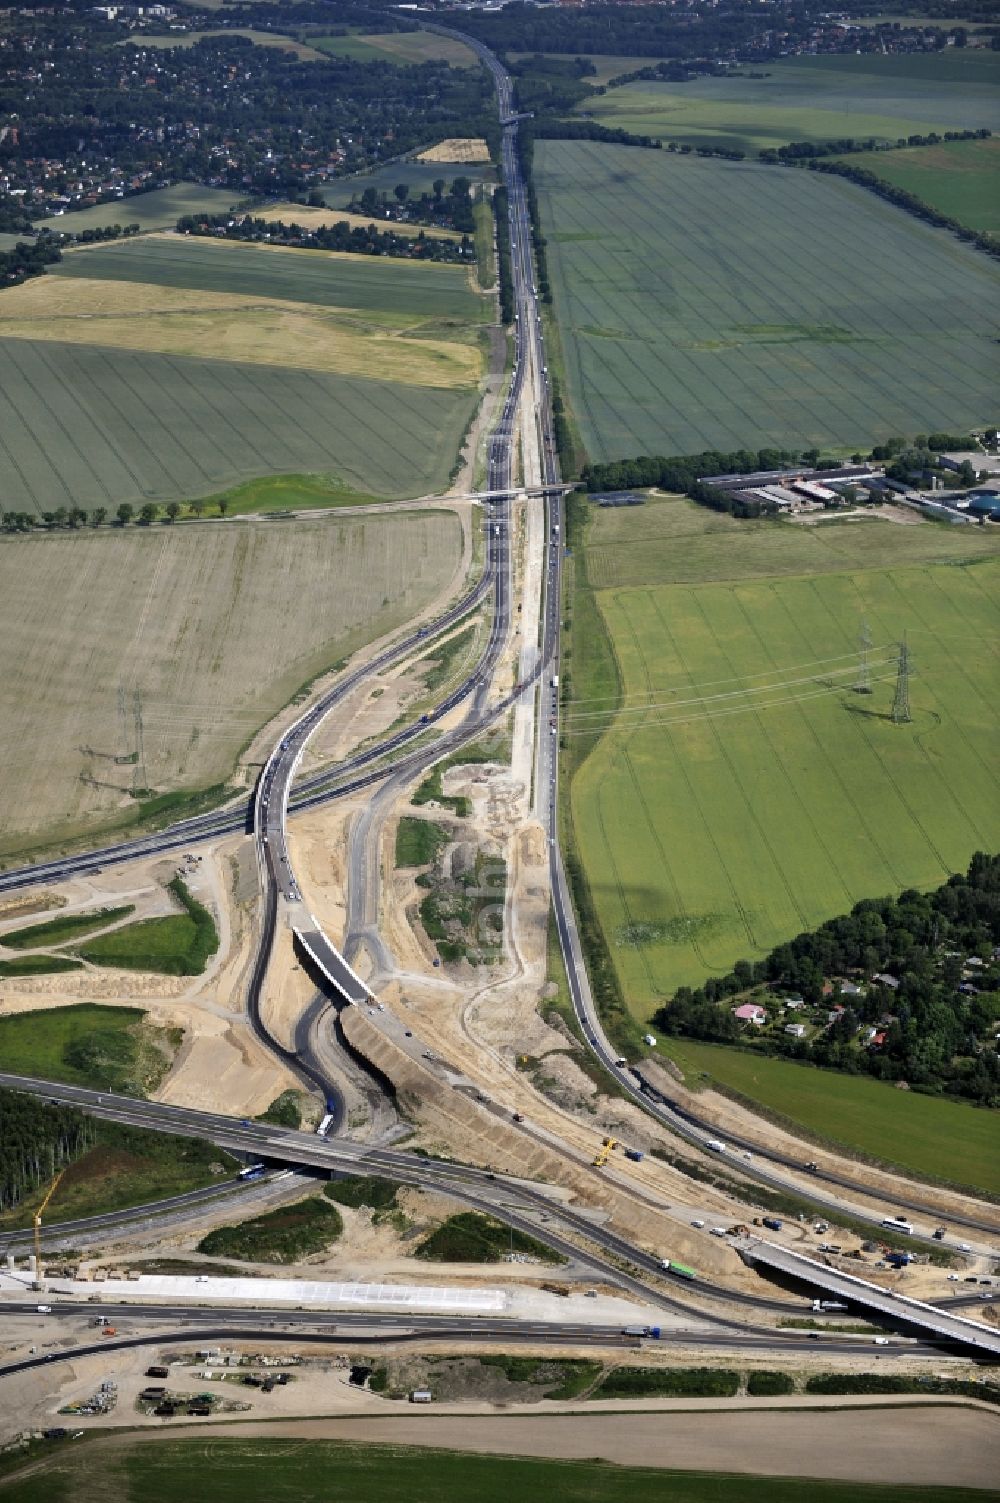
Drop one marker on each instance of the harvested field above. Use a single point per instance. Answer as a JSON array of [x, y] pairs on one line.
[[175, 614], [315, 219], [217, 326], [814, 99], [680, 335], [456, 149], [173, 368]]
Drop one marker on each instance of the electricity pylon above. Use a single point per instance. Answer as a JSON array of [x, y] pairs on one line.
[[901, 699]]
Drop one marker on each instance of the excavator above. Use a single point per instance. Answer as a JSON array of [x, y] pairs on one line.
[[605, 1152]]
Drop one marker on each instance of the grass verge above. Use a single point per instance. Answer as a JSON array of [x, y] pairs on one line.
[[692, 1382], [285, 1110], [418, 841], [38, 965], [364, 1190], [471, 1238], [56, 931], [282, 1236]]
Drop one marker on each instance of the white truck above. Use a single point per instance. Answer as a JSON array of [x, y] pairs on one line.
[[715, 1145]]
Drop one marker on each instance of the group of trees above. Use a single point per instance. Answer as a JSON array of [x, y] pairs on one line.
[[361, 240], [445, 207], [36, 1141], [26, 260], [937, 1036], [75, 518]]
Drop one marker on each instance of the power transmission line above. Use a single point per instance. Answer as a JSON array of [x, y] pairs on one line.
[[863, 682]]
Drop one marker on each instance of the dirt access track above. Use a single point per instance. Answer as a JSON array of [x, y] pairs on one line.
[[934, 1444]]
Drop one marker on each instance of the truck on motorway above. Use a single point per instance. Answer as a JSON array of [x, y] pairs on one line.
[[828, 1304], [325, 1125], [715, 1145], [252, 1171], [652, 1332], [680, 1269], [898, 1224]]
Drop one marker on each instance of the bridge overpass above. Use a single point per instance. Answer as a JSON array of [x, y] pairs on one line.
[[900, 1308]]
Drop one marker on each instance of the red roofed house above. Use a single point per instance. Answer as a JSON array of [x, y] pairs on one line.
[[750, 1012]]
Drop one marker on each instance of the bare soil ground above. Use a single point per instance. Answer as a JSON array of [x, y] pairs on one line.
[[173, 614], [457, 149]]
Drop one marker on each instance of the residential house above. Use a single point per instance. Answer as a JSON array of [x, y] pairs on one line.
[[750, 1012], [797, 1030]]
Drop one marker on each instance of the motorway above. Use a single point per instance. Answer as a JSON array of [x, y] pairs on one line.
[[338, 1328]]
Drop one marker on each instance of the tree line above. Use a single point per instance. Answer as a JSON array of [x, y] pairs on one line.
[[938, 1028], [796, 151], [359, 240], [77, 519]]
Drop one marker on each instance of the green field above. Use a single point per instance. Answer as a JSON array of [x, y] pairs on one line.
[[959, 178], [230, 1470], [180, 945], [925, 1135], [700, 307], [105, 1048], [813, 99], [742, 793], [401, 47], [364, 370], [159, 209]]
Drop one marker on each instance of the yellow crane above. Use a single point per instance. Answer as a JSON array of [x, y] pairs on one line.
[[38, 1222], [605, 1152]]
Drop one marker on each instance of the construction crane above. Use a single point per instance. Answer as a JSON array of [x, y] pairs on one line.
[[38, 1225], [605, 1152]]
